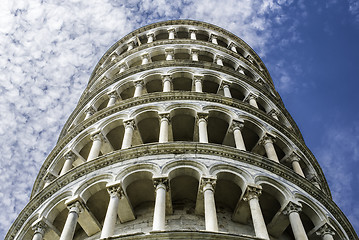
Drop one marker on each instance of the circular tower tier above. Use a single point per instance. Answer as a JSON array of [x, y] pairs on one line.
[[180, 134]]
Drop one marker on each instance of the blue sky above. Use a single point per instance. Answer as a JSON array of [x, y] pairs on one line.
[[48, 49]]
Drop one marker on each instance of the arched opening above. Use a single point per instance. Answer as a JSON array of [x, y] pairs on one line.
[[217, 128], [115, 136], [127, 92], [148, 127], [202, 35], [210, 84], [237, 92], [250, 134], [154, 85], [182, 84], [205, 57], [183, 125], [162, 35]]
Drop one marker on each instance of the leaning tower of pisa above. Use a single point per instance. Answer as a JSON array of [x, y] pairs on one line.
[[180, 134]]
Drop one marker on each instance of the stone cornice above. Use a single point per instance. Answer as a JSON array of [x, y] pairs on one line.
[[134, 33], [161, 96], [180, 148], [86, 97]]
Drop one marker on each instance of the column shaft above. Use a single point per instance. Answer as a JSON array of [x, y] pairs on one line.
[[258, 222], [67, 165], [270, 150], [194, 56], [238, 138], [210, 213], [166, 80], [127, 138], [37, 236], [198, 85], [112, 100], [202, 129], [70, 224], [226, 91], [111, 216], [253, 102], [95, 148], [297, 226], [164, 130], [297, 168], [159, 215], [138, 89]]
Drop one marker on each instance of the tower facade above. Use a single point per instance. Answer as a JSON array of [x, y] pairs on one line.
[[180, 134]]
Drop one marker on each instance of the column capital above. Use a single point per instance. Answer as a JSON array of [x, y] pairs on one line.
[[251, 96], [75, 206], [249, 58], [138, 82], [218, 57], [261, 81], [252, 191], [150, 34], [192, 30], [267, 138], [90, 110], [115, 190], [161, 180], [225, 84], [194, 50], [39, 226], [294, 157], [171, 30], [112, 94], [97, 136], [131, 43], [202, 116], [325, 229], [273, 112], [164, 116], [212, 36], [129, 123], [237, 124], [145, 55], [208, 183], [231, 44], [169, 51], [198, 78], [292, 207], [166, 77], [70, 155], [49, 177]]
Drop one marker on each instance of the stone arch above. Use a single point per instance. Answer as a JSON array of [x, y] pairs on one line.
[[153, 82], [182, 81], [183, 122], [148, 125]]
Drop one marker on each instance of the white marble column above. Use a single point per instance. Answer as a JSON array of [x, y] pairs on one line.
[[326, 232], [267, 141], [293, 210], [295, 159], [122, 68], [145, 58], [69, 159], [150, 37], [138, 88], [232, 46], [210, 214], [219, 60], [237, 127], [194, 55], [169, 52], [192, 33], [252, 196], [165, 119], [49, 177], [112, 99], [240, 69], [39, 230], [166, 82], [159, 215], [97, 140], [127, 138], [130, 45], [89, 112], [202, 127], [198, 79], [71, 221], [274, 114], [252, 100], [171, 33], [111, 215], [213, 38], [226, 89]]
